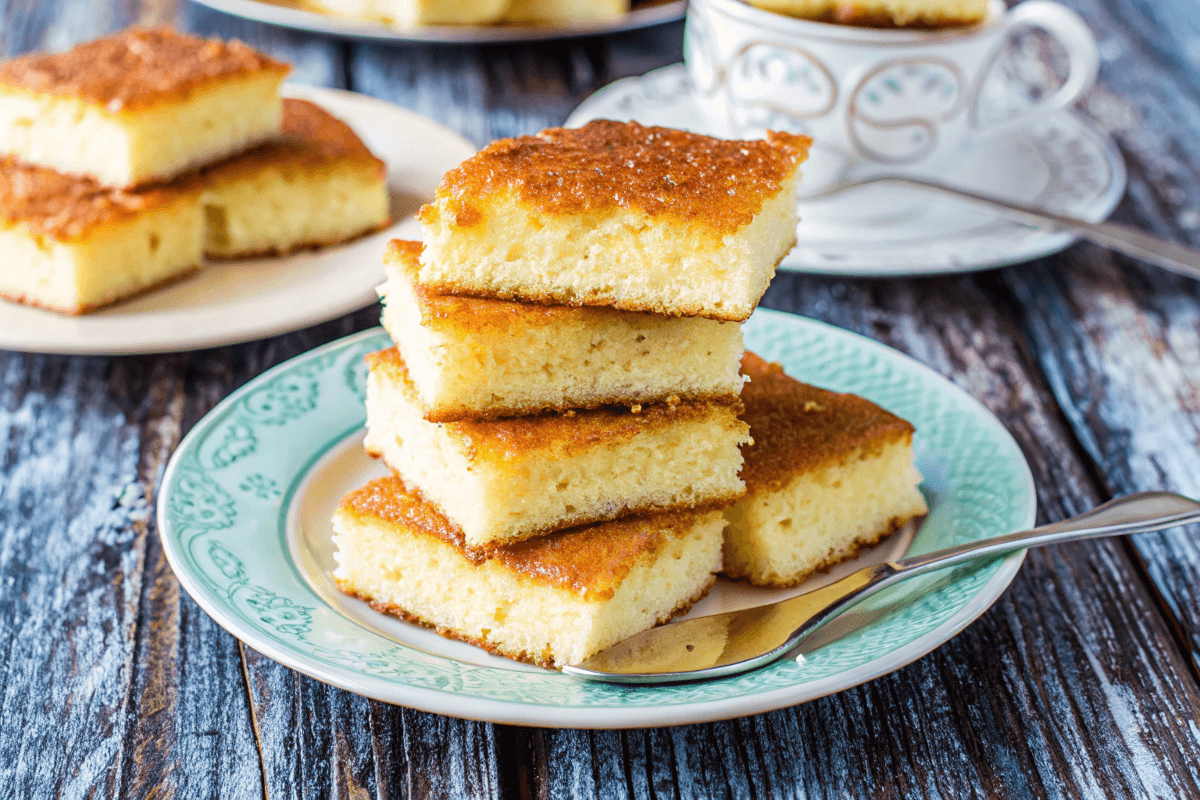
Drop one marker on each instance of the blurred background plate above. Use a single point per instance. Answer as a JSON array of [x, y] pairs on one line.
[[292, 15]]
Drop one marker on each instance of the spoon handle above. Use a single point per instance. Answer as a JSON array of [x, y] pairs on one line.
[[737, 641], [1120, 238], [1136, 513]]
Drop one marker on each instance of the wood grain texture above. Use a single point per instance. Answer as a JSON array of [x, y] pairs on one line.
[[1078, 683], [1059, 690], [1119, 341]]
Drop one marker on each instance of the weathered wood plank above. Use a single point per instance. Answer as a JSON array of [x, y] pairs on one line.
[[87, 664], [33, 25], [425, 755], [1070, 686], [1119, 341]]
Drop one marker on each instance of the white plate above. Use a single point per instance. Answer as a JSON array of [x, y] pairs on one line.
[[1057, 162], [244, 520], [236, 301], [290, 16]]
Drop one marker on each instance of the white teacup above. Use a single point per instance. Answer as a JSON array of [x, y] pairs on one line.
[[908, 99]]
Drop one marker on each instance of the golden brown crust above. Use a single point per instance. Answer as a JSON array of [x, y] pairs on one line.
[[560, 435], [447, 310], [589, 560], [450, 413], [69, 207], [543, 659], [136, 68], [850, 553], [797, 428], [606, 165], [84, 309], [550, 300], [452, 534], [310, 137]]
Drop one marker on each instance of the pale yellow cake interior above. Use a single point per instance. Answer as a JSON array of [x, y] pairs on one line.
[[474, 358], [564, 11], [780, 536], [496, 493], [623, 258], [131, 147], [276, 209], [510, 612], [112, 262], [422, 12]]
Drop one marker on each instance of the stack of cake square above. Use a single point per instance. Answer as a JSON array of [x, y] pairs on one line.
[[127, 159], [560, 410]]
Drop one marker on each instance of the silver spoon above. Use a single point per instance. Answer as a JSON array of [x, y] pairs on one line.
[[1121, 238], [738, 641]]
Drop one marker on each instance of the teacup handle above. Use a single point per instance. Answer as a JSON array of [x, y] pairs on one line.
[[1072, 33]]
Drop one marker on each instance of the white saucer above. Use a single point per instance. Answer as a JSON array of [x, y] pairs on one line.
[[230, 302], [1057, 162]]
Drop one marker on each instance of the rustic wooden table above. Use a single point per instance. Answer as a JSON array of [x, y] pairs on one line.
[[1082, 681]]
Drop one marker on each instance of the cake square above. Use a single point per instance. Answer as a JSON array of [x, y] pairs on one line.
[[316, 185], [510, 479], [410, 13], [554, 600], [883, 13], [72, 245], [827, 475], [143, 105], [617, 214], [480, 358]]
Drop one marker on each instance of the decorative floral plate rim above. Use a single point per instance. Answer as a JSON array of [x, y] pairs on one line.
[[228, 492], [1085, 176]]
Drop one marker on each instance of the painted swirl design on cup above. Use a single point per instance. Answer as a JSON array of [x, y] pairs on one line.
[[777, 87], [897, 109]]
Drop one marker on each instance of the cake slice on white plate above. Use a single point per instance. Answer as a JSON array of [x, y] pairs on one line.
[[140, 106], [71, 245], [316, 185]]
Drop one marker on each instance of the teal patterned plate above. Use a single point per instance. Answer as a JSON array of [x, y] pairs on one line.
[[244, 520]]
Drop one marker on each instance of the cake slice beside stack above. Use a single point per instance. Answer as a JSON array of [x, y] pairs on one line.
[[551, 381], [828, 475]]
